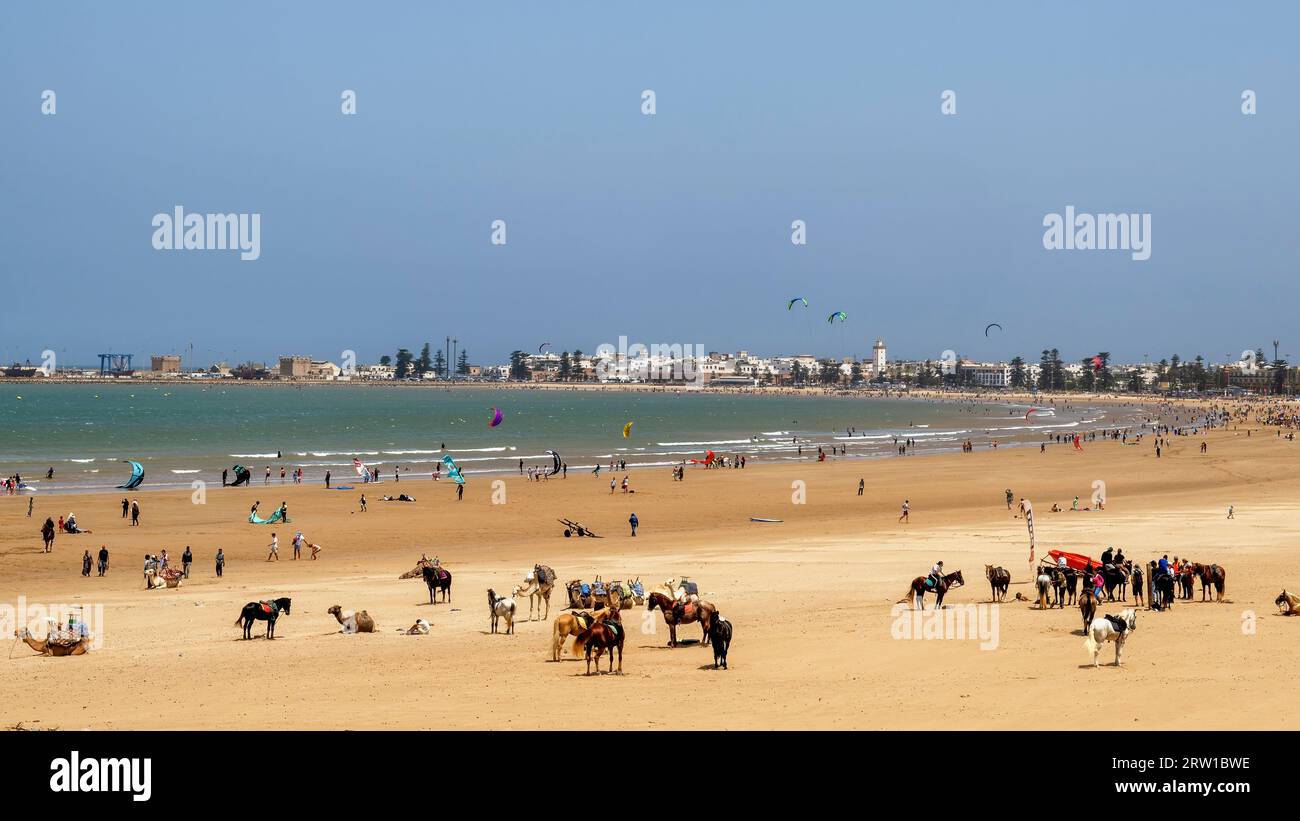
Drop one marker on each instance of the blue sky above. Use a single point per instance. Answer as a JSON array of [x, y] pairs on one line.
[[666, 228]]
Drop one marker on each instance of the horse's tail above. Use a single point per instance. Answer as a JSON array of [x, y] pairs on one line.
[[1090, 642], [239, 619], [910, 594], [580, 641]]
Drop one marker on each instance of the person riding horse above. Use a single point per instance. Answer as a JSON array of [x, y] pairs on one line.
[[1108, 556], [936, 575]]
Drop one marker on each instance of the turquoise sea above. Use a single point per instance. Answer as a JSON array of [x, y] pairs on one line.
[[182, 432]]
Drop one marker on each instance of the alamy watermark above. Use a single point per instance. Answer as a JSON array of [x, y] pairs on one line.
[[180, 231], [657, 362], [41, 621], [956, 622], [1098, 232]]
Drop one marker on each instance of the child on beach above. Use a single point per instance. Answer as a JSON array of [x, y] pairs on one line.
[[275, 548], [907, 508]]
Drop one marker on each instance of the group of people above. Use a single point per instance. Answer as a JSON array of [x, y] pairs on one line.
[[131, 508]]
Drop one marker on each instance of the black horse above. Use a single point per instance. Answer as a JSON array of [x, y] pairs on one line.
[[267, 611], [437, 578], [1162, 596], [1114, 576], [720, 636]]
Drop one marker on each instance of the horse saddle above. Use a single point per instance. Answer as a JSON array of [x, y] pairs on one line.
[[684, 611], [929, 581], [615, 628], [268, 607], [583, 620], [1119, 624]]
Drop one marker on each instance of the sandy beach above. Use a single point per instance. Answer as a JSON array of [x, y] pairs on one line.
[[810, 599]]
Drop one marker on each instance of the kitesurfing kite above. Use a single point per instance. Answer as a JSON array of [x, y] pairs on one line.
[[991, 325], [707, 460], [557, 464], [840, 315], [496, 417], [137, 476], [627, 429], [1096, 363], [453, 472], [1031, 410], [543, 345], [791, 303]]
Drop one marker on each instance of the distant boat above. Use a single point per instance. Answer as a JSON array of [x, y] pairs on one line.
[[22, 371]]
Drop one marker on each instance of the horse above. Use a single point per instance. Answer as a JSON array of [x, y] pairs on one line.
[[607, 634], [1088, 608], [1072, 577], [1289, 603], [1162, 592], [571, 624], [999, 580], [676, 613], [720, 637], [1113, 576], [263, 611], [437, 578], [1053, 580], [1110, 628], [537, 584], [501, 607], [918, 589], [1211, 574]]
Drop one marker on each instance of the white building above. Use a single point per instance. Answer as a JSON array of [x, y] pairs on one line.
[[878, 357]]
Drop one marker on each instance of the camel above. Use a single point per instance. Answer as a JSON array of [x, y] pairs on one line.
[[676, 591], [55, 647], [158, 579], [537, 585], [1289, 604], [501, 607], [571, 624], [353, 622]]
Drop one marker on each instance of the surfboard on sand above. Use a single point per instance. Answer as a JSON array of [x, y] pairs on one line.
[[759, 519]]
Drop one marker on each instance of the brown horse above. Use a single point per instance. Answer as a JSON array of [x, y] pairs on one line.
[[1211, 575], [571, 624], [1087, 607], [606, 634], [999, 580], [919, 589], [676, 613], [1186, 581]]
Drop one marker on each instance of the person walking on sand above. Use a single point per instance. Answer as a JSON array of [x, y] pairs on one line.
[[135, 513], [862, 485], [221, 562], [612, 484], [632, 520], [363, 503], [460, 492], [1230, 516], [907, 510], [297, 545], [126, 508], [1010, 498], [103, 559], [47, 534], [31, 502], [85, 564], [327, 480], [275, 548], [187, 558]]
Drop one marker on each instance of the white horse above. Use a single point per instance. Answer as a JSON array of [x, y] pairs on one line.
[[1102, 630], [501, 607]]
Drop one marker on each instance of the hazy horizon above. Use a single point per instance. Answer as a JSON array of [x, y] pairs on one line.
[[667, 228]]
